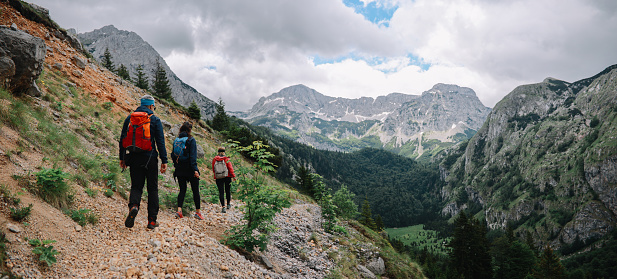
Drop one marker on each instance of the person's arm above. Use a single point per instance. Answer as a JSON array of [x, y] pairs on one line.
[[193, 156], [230, 169], [213, 174], [159, 137], [121, 149]]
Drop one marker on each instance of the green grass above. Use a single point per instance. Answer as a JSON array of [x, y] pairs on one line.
[[420, 238]]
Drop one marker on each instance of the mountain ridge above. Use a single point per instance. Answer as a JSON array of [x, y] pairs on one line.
[[543, 140], [129, 49], [406, 124]]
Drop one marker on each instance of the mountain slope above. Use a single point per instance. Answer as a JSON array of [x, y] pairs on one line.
[[406, 124], [131, 50], [543, 162]]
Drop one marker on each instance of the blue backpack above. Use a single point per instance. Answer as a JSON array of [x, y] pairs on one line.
[[179, 153]]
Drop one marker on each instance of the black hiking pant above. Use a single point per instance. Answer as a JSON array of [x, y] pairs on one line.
[[145, 168], [224, 184], [182, 181]]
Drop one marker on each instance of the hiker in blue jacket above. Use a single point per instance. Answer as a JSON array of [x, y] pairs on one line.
[[144, 164], [186, 170]]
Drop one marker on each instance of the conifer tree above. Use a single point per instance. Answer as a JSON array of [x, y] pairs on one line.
[[366, 217], [469, 254], [123, 72], [107, 63], [529, 242], [220, 121], [160, 85], [304, 180], [141, 80], [549, 266], [194, 111], [379, 223]]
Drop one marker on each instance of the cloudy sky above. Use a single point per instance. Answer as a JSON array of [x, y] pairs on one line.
[[241, 50]]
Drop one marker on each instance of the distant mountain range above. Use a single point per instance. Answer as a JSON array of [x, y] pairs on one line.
[[410, 125], [131, 50]]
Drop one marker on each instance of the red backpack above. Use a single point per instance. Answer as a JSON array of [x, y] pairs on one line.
[[138, 138]]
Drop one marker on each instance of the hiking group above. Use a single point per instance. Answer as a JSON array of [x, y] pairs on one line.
[[142, 143]]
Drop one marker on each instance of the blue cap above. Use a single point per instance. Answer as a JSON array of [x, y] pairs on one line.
[[147, 100]]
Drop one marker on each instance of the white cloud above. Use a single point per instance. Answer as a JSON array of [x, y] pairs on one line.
[[243, 50]]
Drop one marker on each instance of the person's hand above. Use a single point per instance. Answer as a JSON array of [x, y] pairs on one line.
[[233, 179], [163, 168], [196, 174], [122, 164]]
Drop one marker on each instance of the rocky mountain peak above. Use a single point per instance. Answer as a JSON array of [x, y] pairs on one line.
[[449, 112], [129, 49]]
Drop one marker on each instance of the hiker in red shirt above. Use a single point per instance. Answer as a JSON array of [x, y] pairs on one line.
[[223, 173]]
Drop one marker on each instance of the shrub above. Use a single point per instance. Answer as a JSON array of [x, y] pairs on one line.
[[92, 192], [20, 213], [345, 207], [109, 193], [46, 252], [52, 188], [262, 201], [108, 105], [82, 216]]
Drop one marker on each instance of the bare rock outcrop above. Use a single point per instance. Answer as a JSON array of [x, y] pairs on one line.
[[21, 60]]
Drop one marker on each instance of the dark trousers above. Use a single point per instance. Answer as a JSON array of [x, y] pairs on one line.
[[224, 184], [145, 168], [194, 187]]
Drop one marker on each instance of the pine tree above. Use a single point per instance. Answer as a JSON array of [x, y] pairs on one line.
[[194, 111], [141, 80], [366, 217], [220, 121], [469, 254], [107, 63], [549, 266], [529, 242], [123, 72], [379, 223], [160, 86], [304, 180]]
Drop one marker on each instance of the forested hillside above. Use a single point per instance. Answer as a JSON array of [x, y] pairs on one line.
[[399, 189]]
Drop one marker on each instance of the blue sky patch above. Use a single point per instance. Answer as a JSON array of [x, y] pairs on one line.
[[373, 12], [372, 61]]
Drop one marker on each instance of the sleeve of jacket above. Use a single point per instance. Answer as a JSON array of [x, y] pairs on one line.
[[193, 155], [122, 135], [159, 137], [230, 169]]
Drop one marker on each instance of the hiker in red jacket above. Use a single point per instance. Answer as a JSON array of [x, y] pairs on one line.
[[223, 173]]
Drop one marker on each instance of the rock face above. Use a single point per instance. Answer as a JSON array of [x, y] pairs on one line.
[[545, 160], [129, 49], [21, 60], [407, 124]]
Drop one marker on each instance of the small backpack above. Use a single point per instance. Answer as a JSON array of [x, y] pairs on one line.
[[138, 138], [179, 153], [220, 169]]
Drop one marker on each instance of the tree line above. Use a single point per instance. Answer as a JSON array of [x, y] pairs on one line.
[[159, 87]]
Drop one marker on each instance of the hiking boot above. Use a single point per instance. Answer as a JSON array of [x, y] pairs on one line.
[[228, 206], [224, 210], [179, 215], [152, 225], [130, 220], [198, 216]]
